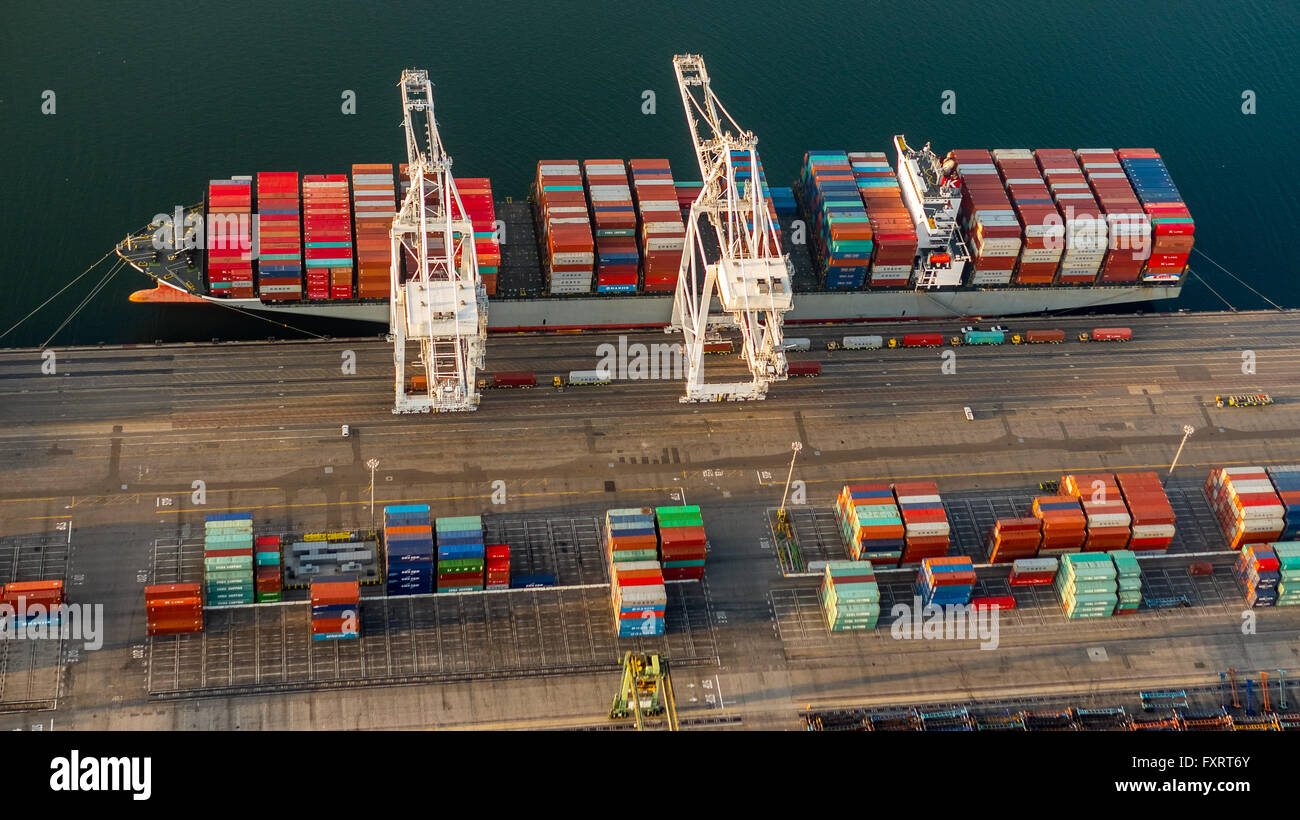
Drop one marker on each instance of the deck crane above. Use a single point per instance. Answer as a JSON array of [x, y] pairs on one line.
[[751, 278], [442, 305]]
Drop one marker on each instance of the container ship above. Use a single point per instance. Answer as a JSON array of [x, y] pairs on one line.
[[598, 243]]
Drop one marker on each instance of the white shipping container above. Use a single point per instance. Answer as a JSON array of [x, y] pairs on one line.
[[1261, 524], [991, 278], [1262, 512], [896, 270], [920, 499], [1252, 485], [862, 343], [927, 529], [1109, 520], [573, 258], [665, 244]]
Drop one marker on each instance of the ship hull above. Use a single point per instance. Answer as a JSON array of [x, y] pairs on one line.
[[613, 313]]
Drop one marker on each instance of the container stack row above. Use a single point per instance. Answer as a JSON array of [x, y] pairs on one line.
[[840, 227], [1246, 505], [871, 523], [1286, 481], [660, 228], [335, 608], [373, 209], [1042, 230], [989, 221], [173, 609], [1085, 228], [228, 559], [496, 566], [564, 226], [1128, 581], [640, 598], [229, 248], [1258, 572], [269, 576], [682, 542], [687, 193], [327, 236], [1065, 527], [630, 535], [894, 241], [279, 237], [1013, 539], [946, 581], [461, 553], [1087, 585], [1128, 226], [1171, 223], [618, 260], [1033, 572], [1152, 514], [408, 549], [1107, 516], [476, 200], [925, 522], [850, 596]]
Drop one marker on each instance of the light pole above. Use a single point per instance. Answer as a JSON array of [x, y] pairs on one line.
[[795, 446], [373, 464], [1187, 433]]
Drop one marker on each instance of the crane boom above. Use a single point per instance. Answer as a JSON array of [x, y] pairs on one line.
[[441, 306], [751, 278]]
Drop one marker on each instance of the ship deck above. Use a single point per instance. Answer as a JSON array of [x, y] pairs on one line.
[[101, 463]]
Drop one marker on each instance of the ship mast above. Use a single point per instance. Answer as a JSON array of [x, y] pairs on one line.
[[442, 306], [751, 278]]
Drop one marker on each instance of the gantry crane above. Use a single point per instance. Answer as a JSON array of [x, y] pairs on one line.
[[751, 278], [442, 305], [645, 692]]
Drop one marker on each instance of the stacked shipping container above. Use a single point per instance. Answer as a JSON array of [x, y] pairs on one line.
[[1149, 507], [682, 543], [630, 535], [327, 235], [1128, 582], [564, 227], [850, 596], [335, 608], [461, 553], [35, 604], [1171, 223], [1258, 572], [1286, 481], [1086, 584], [269, 576], [1030, 572], [840, 226], [871, 523], [408, 549], [946, 581], [614, 219], [1042, 230], [1064, 524], [279, 237], [1014, 538], [373, 197], [659, 224], [229, 237], [925, 522], [228, 559], [640, 598], [1085, 228], [476, 200], [1128, 226], [1246, 505], [893, 236], [1108, 519], [988, 219], [173, 609]]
